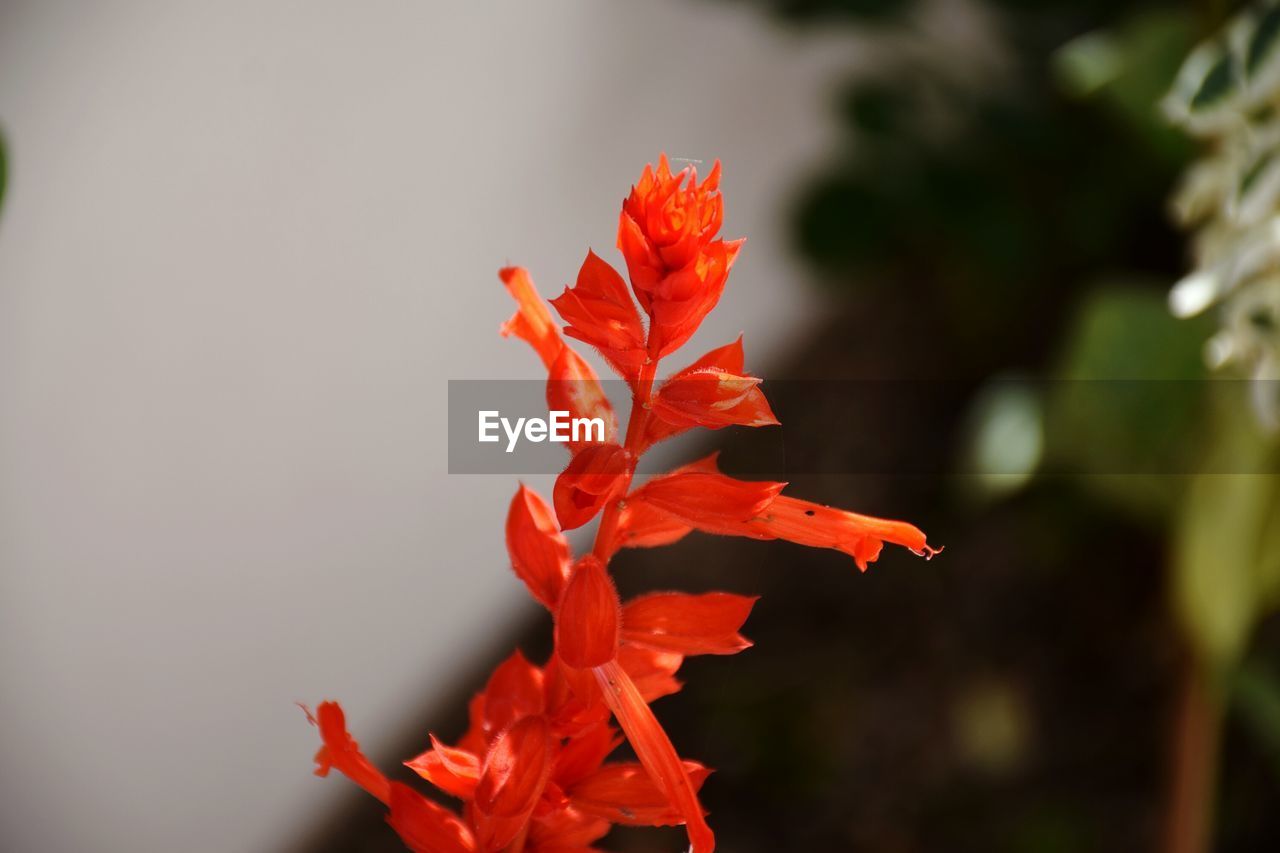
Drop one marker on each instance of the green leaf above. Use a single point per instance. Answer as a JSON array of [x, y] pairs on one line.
[[1130, 400], [1226, 565]]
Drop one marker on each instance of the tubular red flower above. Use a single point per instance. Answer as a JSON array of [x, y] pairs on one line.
[[587, 622], [538, 550], [532, 321], [655, 752], [573, 387], [859, 536], [341, 751]]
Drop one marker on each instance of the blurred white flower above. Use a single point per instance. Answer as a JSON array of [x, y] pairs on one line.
[[1228, 94]]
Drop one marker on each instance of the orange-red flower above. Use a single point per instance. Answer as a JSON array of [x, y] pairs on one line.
[[532, 770], [667, 233]]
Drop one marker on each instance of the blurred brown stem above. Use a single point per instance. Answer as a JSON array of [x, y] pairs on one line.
[[1195, 761]]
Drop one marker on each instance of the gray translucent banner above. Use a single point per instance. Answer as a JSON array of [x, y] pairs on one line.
[[909, 428]]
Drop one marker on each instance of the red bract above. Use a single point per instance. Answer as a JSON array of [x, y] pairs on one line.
[[531, 770]]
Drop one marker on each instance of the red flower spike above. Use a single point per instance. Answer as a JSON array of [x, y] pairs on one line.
[[515, 772], [625, 793], [573, 387], [341, 751], [713, 398], [532, 321], [859, 536], [587, 623], [514, 691], [655, 752], [688, 624], [710, 502], [427, 827], [598, 310], [538, 550], [673, 218], [454, 771], [531, 768], [594, 477]]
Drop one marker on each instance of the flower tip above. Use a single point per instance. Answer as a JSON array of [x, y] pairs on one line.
[[928, 552]]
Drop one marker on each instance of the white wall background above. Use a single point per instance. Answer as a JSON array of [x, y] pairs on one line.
[[245, 246]]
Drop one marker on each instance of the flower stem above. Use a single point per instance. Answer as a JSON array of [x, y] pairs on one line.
[[1196, 734], [637, 423]]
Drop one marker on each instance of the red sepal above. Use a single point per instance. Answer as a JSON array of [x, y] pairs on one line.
[[452, 770], [598, 310], [704, 624], [538, 550], [625, 793], [587, 620], [593, 478]]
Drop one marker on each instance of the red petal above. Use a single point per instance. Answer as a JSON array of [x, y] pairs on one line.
[[587, 619], [688, 624], [424, 826], [599, 310], [573, 387], [641, 525], [341, 751], [581, 756], [729, 358], [566, 830], [652, 671], [538, 550], [454, 771], [515, 772], [516, 769], [625, 793], [859, 536], [594, 477], [713, 398], [655, 752], [573, 699], [708, 501], [532, 321], [692, 293], [514, 691]]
